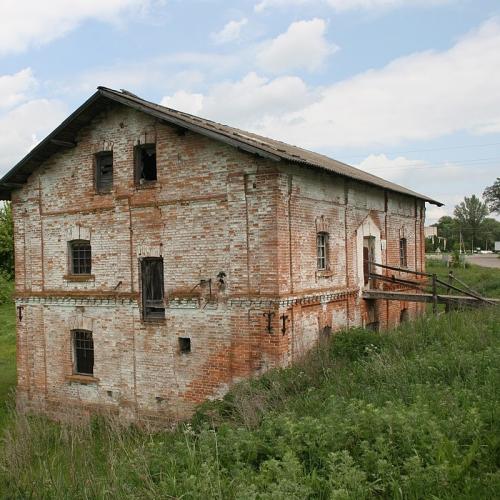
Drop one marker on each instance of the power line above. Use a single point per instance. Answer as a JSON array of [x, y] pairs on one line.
[[448, 164], [463, 146]]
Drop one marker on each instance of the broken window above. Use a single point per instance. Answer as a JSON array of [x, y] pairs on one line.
[[152, 288], [322, 250], [145, 163], [80, 257], [403, 258], [184, 345], [104, 171], [83, 349]]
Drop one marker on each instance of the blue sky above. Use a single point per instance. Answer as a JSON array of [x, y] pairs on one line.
[[406, 89]]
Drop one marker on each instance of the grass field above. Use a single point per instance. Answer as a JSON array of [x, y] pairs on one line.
[[411, 413], [7, 348], [484, 280]]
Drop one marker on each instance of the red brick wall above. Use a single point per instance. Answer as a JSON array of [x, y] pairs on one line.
[[212, 209]]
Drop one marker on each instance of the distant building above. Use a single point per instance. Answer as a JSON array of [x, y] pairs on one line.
[[161, 257], [430, 231]]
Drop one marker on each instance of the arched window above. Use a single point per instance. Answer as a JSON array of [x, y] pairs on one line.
[[322, 250], [83, 352], [80, 257]]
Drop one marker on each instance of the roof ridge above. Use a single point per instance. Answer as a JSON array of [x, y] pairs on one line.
[[249, 141]]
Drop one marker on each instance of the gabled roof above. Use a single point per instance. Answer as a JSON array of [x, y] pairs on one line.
[[64, 136]]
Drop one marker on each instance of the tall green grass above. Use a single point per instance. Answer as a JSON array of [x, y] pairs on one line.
[[7, 345], [411, 413], [484, 280]]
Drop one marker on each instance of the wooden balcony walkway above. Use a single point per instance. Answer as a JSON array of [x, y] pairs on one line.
[[457, 300], [420, 285]]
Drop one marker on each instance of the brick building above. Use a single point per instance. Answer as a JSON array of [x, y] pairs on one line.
[[161, 257]]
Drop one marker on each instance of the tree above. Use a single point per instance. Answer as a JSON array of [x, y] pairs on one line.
[[448, 228], [488, 233], [492, 196], [6, 240], [470, 213]]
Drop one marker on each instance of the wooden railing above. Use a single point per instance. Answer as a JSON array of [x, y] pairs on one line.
[[431, 280]]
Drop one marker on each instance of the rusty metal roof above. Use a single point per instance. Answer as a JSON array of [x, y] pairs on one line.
[[64, 135]]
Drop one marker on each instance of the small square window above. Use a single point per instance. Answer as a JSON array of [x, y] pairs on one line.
[[184, 345], [80, 259], [83, 349], [145, 164], [104, 171]]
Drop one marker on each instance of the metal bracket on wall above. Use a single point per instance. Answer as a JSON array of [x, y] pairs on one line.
[[269, 316], [284, 318]]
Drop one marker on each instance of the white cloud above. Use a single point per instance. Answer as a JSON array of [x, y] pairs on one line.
[[410, 171], [184, 101], [23, 127], [230, 32], [341, 5], [35, 22], [166, 73], [417, 97], [447, 182], [247, 101], [303, 45], [25, 119], [13, 87]]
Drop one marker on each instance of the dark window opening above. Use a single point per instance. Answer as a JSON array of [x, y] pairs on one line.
[[145, 163], [184, 345], [403, 257], [404, 316], [83, 346], [152, 288], [326, 333], [374, 326], [322, 251], [80, 257], [104, 171], [368, 257]]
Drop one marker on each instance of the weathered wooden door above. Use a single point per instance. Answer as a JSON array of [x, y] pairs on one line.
[[368, 256]]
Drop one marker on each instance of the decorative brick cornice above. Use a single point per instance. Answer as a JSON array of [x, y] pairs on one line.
[[109, 299]]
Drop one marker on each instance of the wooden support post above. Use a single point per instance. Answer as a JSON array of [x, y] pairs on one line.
[[434, 293], [448, 290]]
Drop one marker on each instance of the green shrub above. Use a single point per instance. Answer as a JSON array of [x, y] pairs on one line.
[[357, 343], [412, 413]]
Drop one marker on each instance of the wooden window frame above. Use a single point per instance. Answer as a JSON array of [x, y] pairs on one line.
[[72, 248], [403, 252], [153, 308], [86, 340], [138, 166], [99, 158], [322, 257]]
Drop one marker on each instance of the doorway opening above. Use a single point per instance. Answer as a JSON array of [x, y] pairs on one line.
[[404, 316], [368, 257]]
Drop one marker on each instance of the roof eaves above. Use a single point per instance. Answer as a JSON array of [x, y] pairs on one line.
[[5, 181], [181, 122]]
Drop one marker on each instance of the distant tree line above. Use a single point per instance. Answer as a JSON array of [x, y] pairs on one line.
[[6, 240], [470, 225]]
